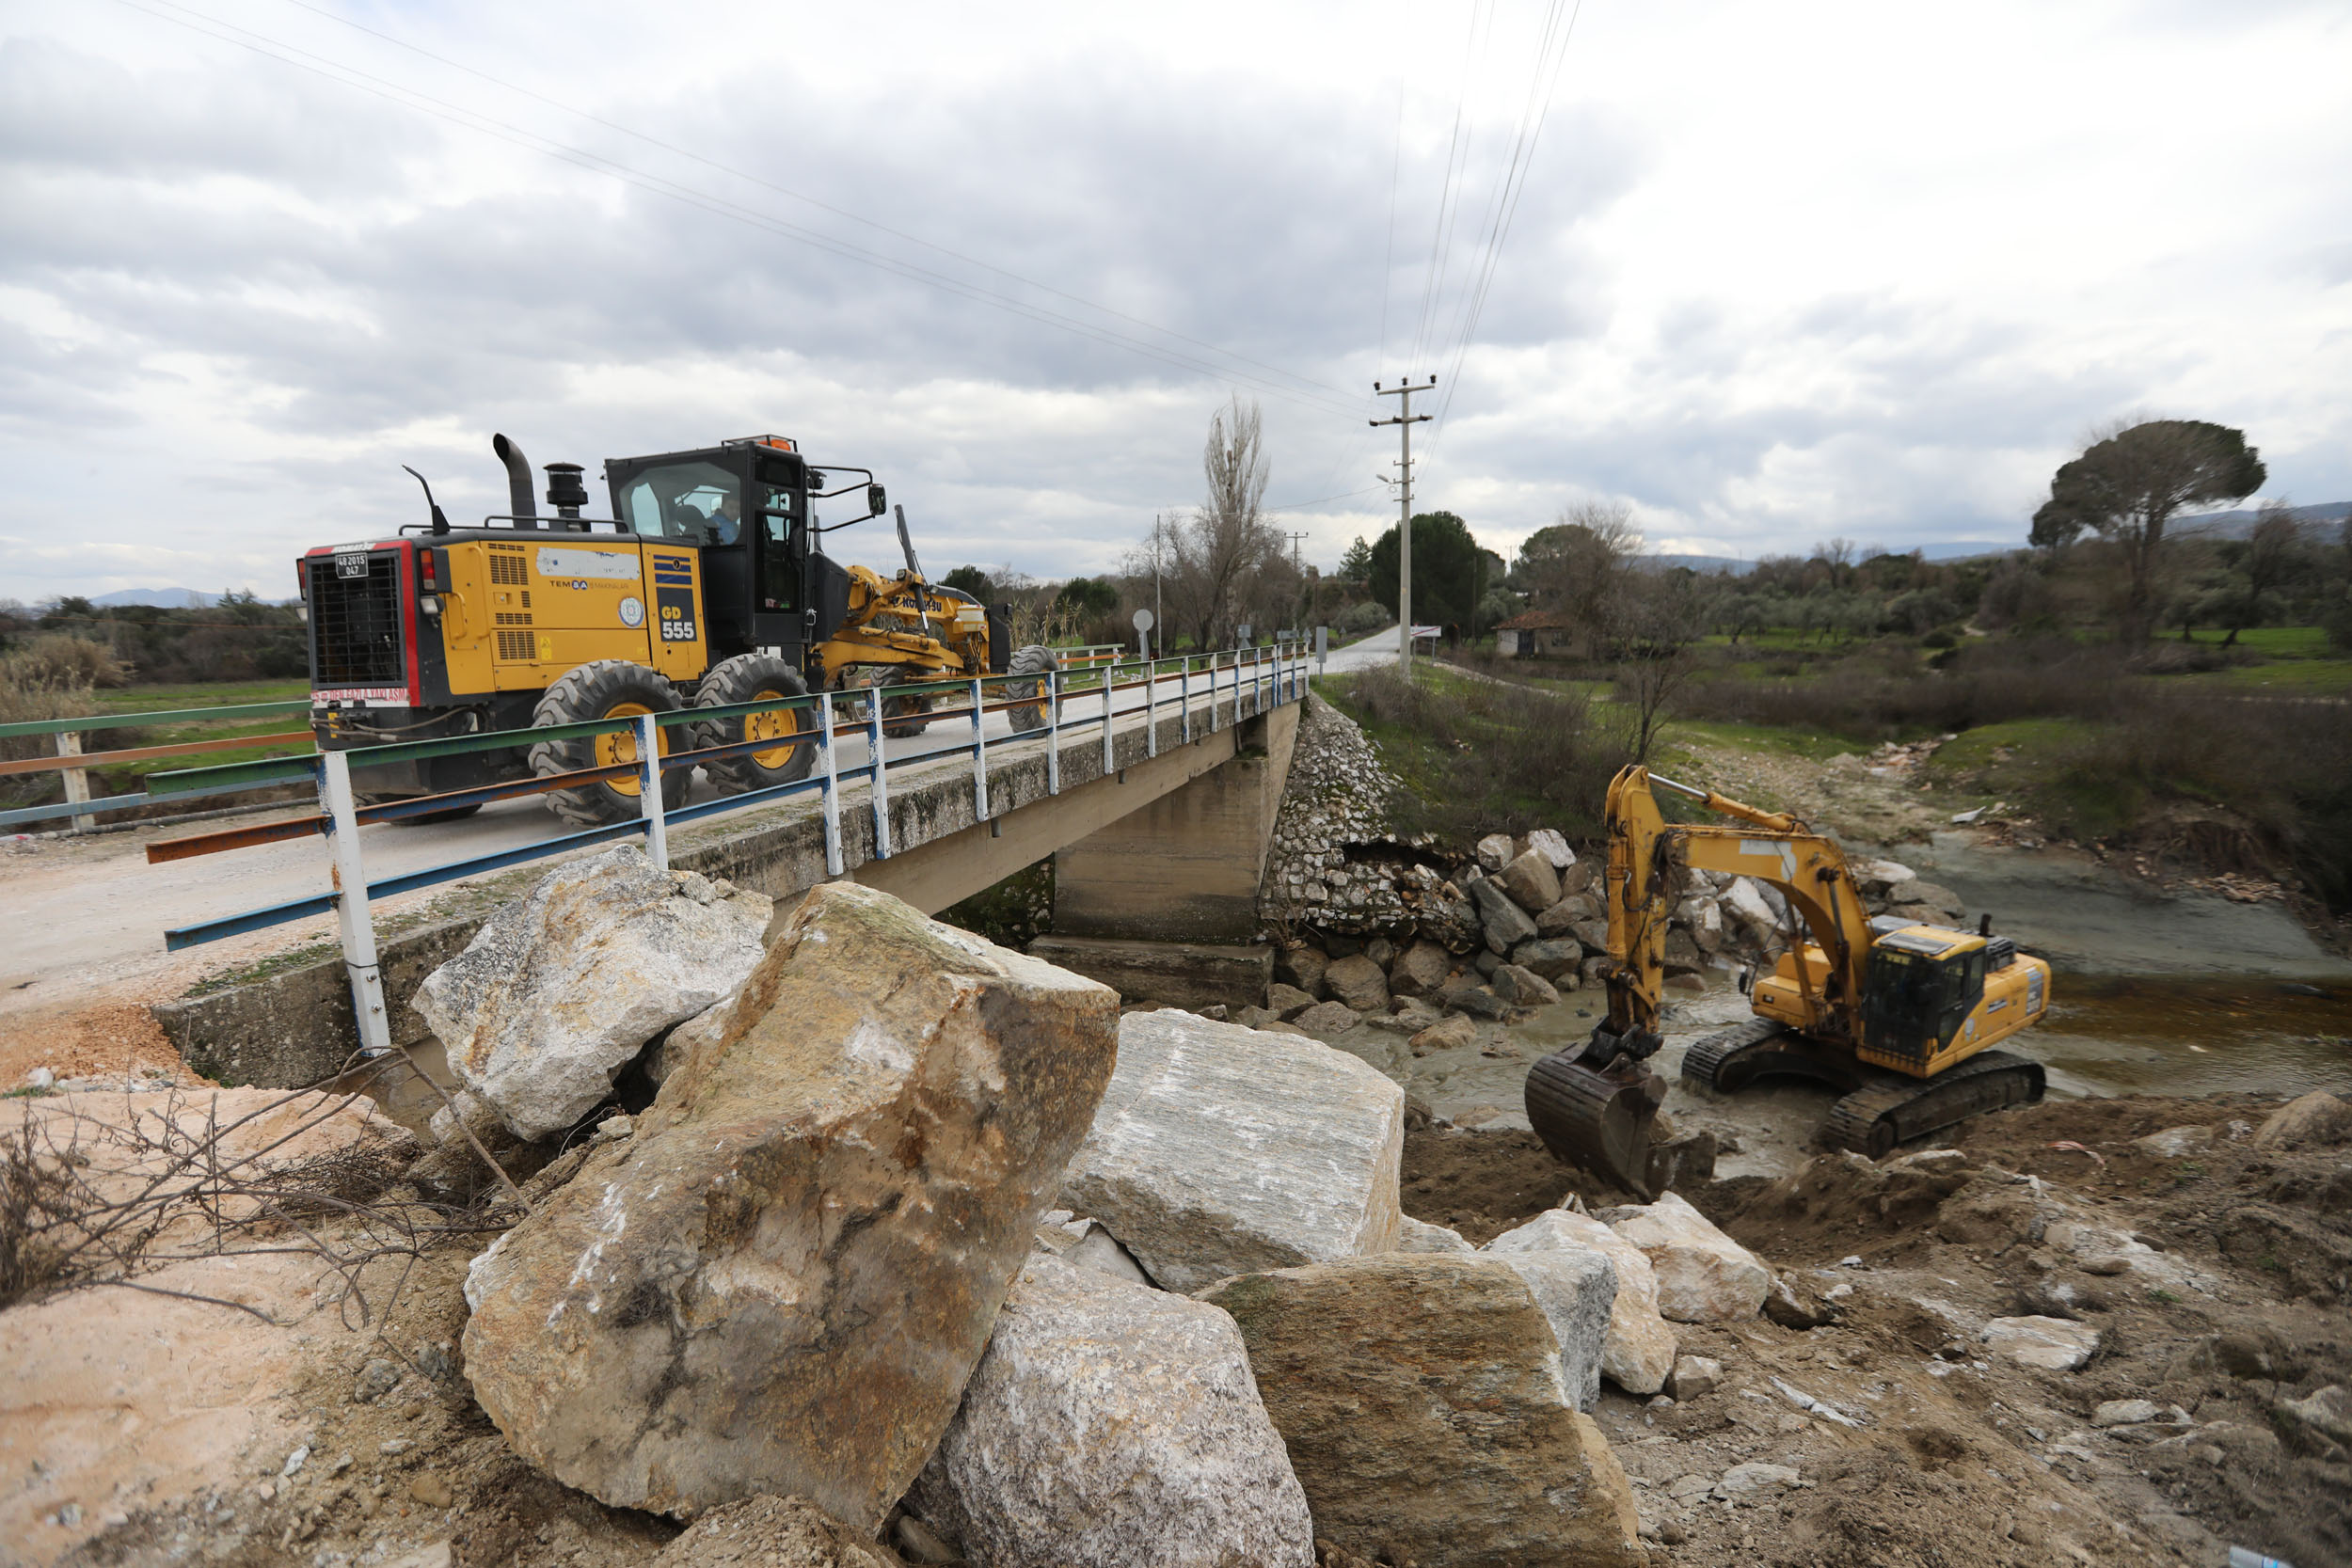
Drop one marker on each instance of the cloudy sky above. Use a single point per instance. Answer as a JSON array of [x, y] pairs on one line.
[[1769, 274]]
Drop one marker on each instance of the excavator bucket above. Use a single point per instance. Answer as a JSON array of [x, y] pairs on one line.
[[1595, 1107]]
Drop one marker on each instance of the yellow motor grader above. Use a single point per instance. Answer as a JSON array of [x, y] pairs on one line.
[[708, 587], [1899, 1018]]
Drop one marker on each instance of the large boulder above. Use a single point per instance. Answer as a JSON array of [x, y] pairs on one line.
[[1553, 957], [1359, 983], [1575, 1289], [1302, 966], [2047, 1344], [1548, 842], [1503, 922], [781, 1281], [1420, 1396], [1745, 909], [1493, 852], [1532, 881], [1638, 1350], [1420, 970], [2318, 1119], [1703, 1276], [1523, 988], [558, 992], [1219, 1150], [1113, 1426]]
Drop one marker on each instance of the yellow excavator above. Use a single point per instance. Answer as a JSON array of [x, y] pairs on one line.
[[1899, 1018]]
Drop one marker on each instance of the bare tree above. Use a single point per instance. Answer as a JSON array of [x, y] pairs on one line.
[[1222, 562], [2127, 485], [1655, 620]]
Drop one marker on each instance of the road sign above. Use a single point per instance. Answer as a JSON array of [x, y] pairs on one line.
[[1143, 620]]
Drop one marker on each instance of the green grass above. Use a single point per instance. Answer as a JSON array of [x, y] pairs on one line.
[[2276, 641], [146, 698], [2040, 762]]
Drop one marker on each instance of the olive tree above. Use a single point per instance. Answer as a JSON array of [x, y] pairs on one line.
[[2126, 487]]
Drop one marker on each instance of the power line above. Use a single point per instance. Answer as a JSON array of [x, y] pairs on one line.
[[1510, 213], [1445, 190], [659, 186]]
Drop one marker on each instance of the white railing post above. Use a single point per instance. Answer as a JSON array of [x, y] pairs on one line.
[[1052, 683], [1109, 673], [1152, 708], [351, 907], [879, 790], [979, 754], [76, 780], [832, 781], [650, 805], [1214, 656], [1183, 697]]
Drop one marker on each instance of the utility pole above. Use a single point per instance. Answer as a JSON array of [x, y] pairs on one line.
[[1405, 420], [1294, 560], [1155, 572]]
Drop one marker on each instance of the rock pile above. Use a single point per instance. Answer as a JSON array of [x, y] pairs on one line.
[[907, 1232]]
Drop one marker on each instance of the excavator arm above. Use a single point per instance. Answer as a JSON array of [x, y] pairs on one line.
[[1597, 1106]]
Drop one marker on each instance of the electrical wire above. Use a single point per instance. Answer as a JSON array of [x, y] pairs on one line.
[[656, 185], [1510, 211], [1455, 151]]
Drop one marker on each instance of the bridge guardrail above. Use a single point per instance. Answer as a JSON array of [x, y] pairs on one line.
[[1273, 674], [75, 764]]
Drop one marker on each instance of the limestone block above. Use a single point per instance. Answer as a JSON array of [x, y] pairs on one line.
[[1219, 1150], [780, 1283], [2117, 1413], [1550, 956], [1451, 1033], [1504, 924], [1413, 1235], [1682, 954], [1287, 1002], [1302, 966], [1476, 1001], [1695, 1377], [1494, 852], [1593, 933], [1088, 1244], [2318, 1119], [1638, 1350], [1328, 1017], [1576, 1289], [1548, 842], [2174, 1143], [1532, 881], [1743, 905], [558, 990], [1703, 1276], [1878, 879], [1577, 878], [1420, 970], [1407, 1016], [1420, 1398], [2052, 1344], [1523, 988], [1943, 900], [1705, 919], [1113, 1426], [1559, 918], [1358, 982]]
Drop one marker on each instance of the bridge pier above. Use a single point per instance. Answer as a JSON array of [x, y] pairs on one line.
[[1186, 867]]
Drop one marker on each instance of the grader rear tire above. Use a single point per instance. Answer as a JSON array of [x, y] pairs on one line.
[[1034, 660], [606, 688], [904, 715], [758, 678]]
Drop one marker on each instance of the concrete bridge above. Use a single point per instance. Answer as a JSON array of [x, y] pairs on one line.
[[1158, 824]]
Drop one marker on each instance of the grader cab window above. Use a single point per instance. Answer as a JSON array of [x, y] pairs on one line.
[[694, 504]]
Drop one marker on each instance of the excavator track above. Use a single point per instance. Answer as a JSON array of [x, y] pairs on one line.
[[1895, 1109], [1704, 1061]]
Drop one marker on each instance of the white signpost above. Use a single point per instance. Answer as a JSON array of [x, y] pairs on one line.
[[1143, 632]]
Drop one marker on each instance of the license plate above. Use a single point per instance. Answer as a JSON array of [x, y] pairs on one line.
[[351, 565]]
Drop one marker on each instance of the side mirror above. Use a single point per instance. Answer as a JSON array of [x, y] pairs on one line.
[[875, 500]]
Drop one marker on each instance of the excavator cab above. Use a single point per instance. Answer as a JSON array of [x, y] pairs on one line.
[[1920, 993]]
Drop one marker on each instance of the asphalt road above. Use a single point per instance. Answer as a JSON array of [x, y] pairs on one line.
[[86, 916]]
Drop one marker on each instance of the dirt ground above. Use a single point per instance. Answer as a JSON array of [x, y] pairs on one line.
[[2217, 1280]]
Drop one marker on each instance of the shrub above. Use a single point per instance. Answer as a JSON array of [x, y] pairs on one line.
[[60, 660], [1504, 758], [1362, 619], [35, 683]]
